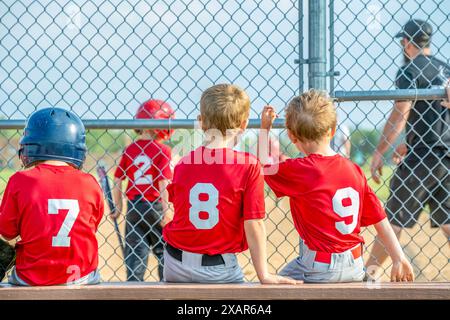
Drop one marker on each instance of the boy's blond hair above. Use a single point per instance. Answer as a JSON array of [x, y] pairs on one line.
[[224, 107], [311, 115]]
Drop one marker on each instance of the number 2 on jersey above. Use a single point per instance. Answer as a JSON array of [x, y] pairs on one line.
[[143, 163], [346, 211], [62, 239], [209, 206]]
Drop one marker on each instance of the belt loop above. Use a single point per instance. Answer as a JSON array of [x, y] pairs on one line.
[[229, 259], [307, 255], [191, 259]]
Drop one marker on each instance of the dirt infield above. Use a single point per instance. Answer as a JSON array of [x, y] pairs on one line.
[[427, 248]]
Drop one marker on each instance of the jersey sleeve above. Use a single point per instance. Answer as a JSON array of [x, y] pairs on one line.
[[100, 205], [96, 198], [254, 206], [9, 213], [170, 192], [372, 211], [121, 172], [278, 178], [163, 164]]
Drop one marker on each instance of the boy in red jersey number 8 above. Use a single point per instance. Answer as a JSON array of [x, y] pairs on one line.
[[329, 198], [218, 198]]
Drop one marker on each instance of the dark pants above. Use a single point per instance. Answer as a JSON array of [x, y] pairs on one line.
[[143, 232], [419, 181]]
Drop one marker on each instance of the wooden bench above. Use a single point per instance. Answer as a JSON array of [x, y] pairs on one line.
[[248, 291]]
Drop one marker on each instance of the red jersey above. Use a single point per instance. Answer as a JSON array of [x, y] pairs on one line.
[[144, 163], [56, 211], [213, 192], [329, 198]]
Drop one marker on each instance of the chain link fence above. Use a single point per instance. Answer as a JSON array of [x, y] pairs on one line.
[[368, 58], [102, 59]]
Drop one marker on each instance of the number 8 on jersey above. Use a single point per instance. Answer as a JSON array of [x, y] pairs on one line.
[[209, 206]]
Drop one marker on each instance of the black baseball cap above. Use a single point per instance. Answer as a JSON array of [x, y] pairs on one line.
[[417, 30]]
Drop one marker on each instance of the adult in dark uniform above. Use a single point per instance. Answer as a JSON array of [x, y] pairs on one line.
[[422, 177]]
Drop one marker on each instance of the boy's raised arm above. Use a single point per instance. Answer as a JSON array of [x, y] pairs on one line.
[[268, 116], [401, 268], [167, 209]]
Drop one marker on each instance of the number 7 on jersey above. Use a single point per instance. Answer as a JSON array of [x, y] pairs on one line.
[[62, 239]]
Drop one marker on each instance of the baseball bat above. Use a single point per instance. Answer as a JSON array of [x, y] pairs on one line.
[[104, 182]]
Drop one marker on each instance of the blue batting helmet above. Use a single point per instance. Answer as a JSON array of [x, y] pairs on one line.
[[53, 134]]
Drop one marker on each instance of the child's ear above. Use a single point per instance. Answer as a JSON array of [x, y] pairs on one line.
[[244, 124], [291, 136], [200, 122], [332, 132]]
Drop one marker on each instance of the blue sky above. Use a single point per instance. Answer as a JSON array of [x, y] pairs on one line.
[[104, 58]]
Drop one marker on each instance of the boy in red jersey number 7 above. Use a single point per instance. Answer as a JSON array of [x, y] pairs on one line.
[[53, 206], [329, 198]]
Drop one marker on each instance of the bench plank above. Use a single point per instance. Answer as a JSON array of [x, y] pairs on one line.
[[248, 291]]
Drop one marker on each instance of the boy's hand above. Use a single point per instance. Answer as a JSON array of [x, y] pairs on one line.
[[399, 153], [376, 167], [268, 116], [114, 215], [165, 220], [402, 271], [276, 279]]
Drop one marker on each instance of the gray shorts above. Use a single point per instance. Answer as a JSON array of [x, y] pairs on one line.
[[190, 269], [343, 267], [91, 278]]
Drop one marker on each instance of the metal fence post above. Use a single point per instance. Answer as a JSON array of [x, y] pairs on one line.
[[300, 46], [332, 73], [317, 59]]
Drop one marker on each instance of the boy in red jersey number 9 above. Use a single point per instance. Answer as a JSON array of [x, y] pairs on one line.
[[329, 198]]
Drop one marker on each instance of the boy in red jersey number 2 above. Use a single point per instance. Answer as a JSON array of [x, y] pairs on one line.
[[146, 165]]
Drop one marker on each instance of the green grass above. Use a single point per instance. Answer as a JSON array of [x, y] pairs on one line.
[[5, 173], [382, 190]]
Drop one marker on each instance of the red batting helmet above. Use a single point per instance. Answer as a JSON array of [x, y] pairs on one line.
[[156, 109]]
